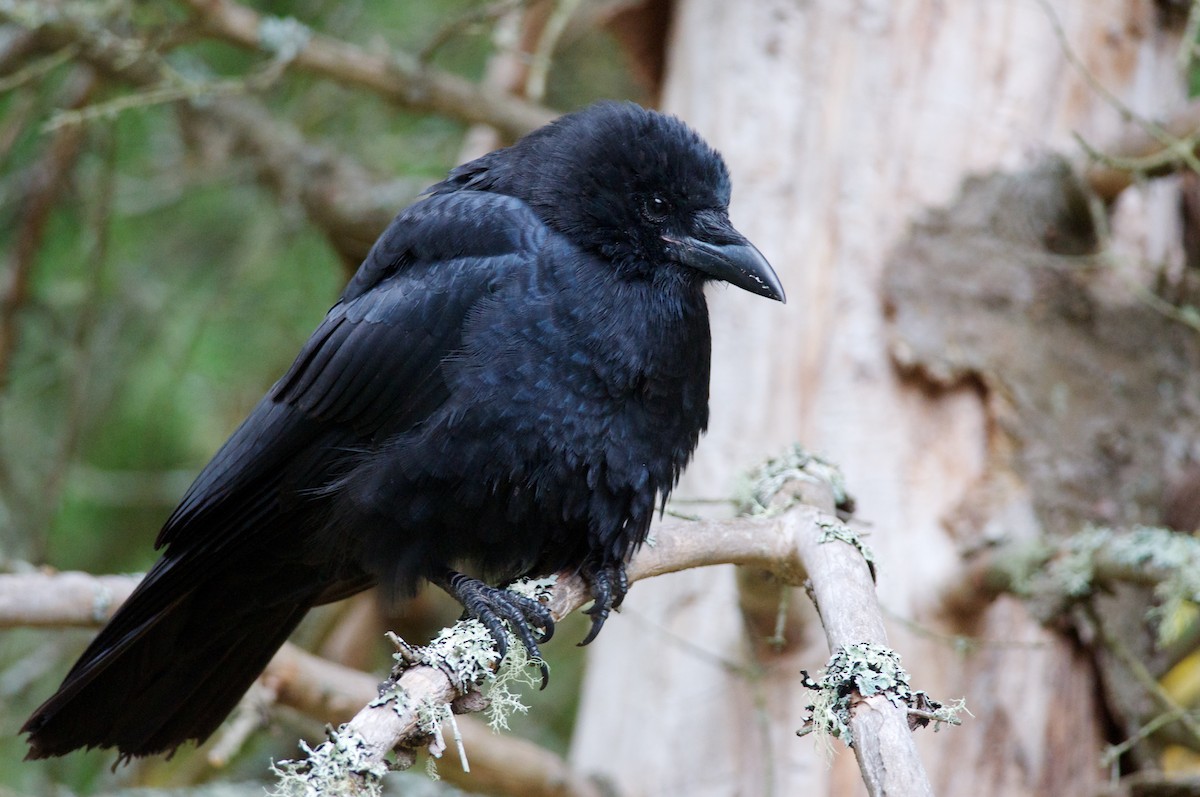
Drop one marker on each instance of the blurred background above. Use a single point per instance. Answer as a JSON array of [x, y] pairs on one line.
[[987, 218], [156, 282]]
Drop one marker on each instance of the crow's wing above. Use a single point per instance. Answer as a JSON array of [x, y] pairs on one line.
[[371, 369]]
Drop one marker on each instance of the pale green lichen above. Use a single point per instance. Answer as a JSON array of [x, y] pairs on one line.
[[467, 654], [395, 695], [516, 669], [430, 716], [835, 531], [283, 36], [465, 651], [1143, 554], [102, 602], [538, 589], [1072, 573], [756, 495], [864, 670], [938, 713], [339, 766]]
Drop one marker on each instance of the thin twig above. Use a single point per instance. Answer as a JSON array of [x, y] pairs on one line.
[[1151, 150], [1157, 132], [1137, 669], [38, 68], [1114, 753], [1187, 43]]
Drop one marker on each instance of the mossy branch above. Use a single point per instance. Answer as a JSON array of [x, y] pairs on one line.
[[1054, 575]]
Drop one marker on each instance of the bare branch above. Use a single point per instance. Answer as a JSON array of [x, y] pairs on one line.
[[69, 599], [1141, 154], [54, 600], [339, 195], [552, 31], [505, 71], [398, 76]]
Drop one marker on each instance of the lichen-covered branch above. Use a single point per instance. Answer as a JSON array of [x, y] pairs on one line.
[[842, 586], [1052, 575], [500, 764], [330, 692], [792, 545], [1075, 577]]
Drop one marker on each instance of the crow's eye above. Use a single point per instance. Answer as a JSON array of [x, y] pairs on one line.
[[655, 208]]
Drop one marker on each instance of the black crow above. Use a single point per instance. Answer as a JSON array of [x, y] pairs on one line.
[[508, 386]]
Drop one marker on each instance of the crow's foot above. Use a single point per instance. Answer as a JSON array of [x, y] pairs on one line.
[[491, 605], [608, 584]]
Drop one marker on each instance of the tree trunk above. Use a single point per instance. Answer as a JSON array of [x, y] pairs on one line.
[[844, 123]]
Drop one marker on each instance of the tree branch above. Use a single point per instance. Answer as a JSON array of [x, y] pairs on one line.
[[319, 688], [56, 600], [1054, 574], [338, 194], [503, 764], [791, 544], [1173, 146], [788, 545], [398, 76], [1064, 578]]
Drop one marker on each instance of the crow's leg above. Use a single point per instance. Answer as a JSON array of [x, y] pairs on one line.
[[608, 584], [491, 605]]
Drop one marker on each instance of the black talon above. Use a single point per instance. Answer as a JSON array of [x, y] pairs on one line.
[[622, 587], [608, 584], [490, 605]]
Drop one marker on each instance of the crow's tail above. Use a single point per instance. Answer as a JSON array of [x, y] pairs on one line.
[[174, 660]]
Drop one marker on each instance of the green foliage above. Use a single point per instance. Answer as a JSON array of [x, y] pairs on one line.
[[169, 290]]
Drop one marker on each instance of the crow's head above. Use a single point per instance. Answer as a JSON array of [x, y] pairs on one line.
[[636, 186]]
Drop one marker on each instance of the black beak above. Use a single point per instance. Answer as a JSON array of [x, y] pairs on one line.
[[724, 253]]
